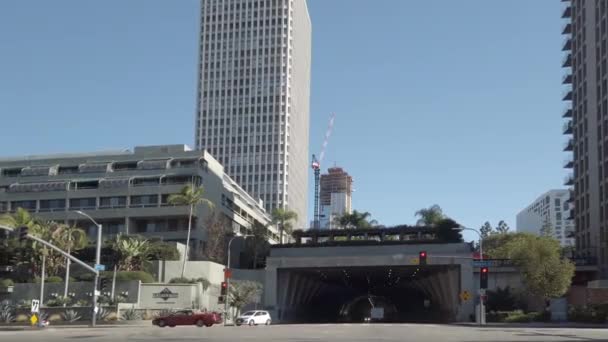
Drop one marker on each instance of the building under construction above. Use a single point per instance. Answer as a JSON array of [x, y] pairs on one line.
[[336, 188]]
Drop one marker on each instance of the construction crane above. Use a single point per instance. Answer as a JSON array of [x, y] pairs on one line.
[[316, 168]]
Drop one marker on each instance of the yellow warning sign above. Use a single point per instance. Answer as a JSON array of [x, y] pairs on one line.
[[465, 295], [34, 319], [414, 261]]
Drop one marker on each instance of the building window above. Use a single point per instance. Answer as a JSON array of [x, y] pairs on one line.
[[83, 203], [27, 205], [144, 201], [112, 202], [52, 205]]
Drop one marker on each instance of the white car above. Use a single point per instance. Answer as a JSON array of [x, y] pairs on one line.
[[254, 318]]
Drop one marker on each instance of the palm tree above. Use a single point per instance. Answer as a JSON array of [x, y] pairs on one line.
[[284, 218], [356, 219], [430, 216], [190, 195], [21, 217], [132, 252], [69, 238]]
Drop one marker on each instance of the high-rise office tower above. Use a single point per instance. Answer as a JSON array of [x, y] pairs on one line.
[[586, 78], [253, 96]]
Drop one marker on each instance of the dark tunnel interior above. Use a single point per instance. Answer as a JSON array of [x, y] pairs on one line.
[[360, 294]]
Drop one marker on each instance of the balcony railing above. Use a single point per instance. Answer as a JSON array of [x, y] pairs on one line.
[[569, 145], [567, 95], [567, 28], [567, 78], [567, 112], [567, 61], [567, 46], [568, 163], [567, 13], [569, 180], [567, 128]]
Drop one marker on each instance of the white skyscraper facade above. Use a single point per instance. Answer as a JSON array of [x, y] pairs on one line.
[[549, 209], [253, 96]]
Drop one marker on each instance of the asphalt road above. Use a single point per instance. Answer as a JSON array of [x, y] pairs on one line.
[[308, 333]]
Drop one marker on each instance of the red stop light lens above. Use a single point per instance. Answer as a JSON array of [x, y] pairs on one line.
[[484, 270], [422, 254], [224, 284]]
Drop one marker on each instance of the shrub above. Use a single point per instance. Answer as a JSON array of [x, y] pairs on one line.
[[142, 276], [82, 302], [6, 283], [130, 315], [54, 279], [595, 313], [70, 316], [518, 316], [103, 314], [7, 312], [501, 300], [59, 301]]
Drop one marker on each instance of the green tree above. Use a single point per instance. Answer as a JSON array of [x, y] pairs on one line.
[[284, 218], [243, 293], [545, 271], [258, 242], [446, 233], [430, 216], [486, 230], [218, 229], [191, 196], [69, 238], [502, 227]]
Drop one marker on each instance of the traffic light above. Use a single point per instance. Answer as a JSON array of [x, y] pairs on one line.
[[224, 290], [422, 258], [104, 284], [221, 299], [23, 231], [483, 278]]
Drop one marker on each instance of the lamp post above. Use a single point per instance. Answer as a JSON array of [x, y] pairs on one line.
[[482, 314], [228, 278], [97, 262]]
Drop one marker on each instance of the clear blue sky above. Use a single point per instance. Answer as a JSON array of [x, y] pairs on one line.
[[448, 102]]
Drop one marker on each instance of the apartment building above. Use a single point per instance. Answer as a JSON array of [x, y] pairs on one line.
[[550, 209], [585, 80], [127, 192], [253, 96]]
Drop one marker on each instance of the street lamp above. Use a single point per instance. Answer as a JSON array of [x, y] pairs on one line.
[[97, 262], [228, 278], [482, 314]]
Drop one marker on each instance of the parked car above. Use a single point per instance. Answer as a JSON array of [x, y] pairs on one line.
[[254, 318], [188, 317]]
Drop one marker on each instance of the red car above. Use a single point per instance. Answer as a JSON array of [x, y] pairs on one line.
[[188, 317]]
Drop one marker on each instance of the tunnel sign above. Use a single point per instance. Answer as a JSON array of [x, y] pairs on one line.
[[465, 295]]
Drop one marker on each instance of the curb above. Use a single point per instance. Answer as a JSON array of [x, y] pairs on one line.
[[564, 325]]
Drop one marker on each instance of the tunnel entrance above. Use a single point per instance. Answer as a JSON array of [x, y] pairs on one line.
[[368, 293]]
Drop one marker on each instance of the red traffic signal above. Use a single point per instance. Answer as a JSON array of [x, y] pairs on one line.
[[422, 258], [224, 289], [483, 278]]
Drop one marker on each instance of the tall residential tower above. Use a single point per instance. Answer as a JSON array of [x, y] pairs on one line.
[[550, 211], [253, 96], [586, 112]]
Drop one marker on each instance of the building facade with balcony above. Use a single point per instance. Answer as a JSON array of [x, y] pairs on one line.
[[585, 81], [550, 209], [253, 96], [127, 192]]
